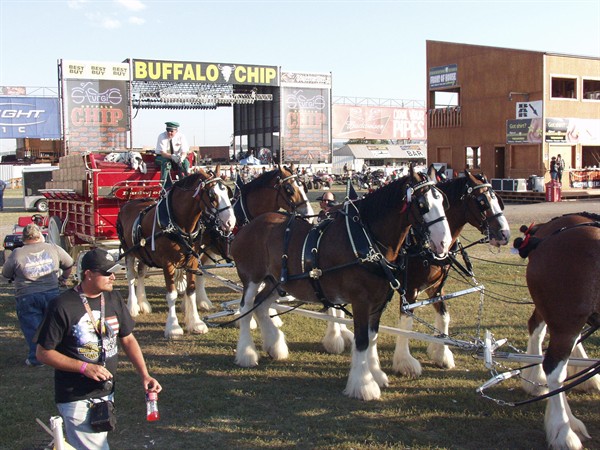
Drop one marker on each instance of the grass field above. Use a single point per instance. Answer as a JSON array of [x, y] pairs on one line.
[[209, 402]]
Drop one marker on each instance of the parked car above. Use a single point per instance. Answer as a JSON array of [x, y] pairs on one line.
[[12, 241]]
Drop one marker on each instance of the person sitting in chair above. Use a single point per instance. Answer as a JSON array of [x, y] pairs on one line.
[[171, 153]]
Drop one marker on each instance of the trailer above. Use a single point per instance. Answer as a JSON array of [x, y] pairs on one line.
[[85, 195]]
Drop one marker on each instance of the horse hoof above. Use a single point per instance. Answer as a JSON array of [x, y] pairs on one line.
[[199, 328], [176, 333], [334, 345]]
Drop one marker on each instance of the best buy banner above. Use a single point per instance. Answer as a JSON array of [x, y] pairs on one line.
[[205, 72]]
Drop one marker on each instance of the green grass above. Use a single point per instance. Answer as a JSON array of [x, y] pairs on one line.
[[209, 402]]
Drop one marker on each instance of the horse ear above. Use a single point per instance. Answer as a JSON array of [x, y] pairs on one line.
[[432, 173], [218, 170]]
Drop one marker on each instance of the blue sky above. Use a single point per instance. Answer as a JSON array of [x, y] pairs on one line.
[[372, 48]]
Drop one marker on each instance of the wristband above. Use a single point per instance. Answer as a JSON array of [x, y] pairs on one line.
[[82, 368]]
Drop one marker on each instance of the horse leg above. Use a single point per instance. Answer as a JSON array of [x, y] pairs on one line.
[[132, 299], [204, 302], [404, 363], [273, 339], [337, 334], [193, 323], [533, 379], [246, 354], [591, 385], [140, 289], [440, 354], [361, 383], [563, 429], [172, 328]]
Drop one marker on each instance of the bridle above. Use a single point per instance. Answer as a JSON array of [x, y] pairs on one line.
[[483, 205], [416, 195], [211, 216], [286, 184], [284, 188]]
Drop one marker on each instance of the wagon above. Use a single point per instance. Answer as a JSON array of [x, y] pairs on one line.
[[85, 195]]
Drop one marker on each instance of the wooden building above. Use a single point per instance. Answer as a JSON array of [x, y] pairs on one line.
[[507, 112]]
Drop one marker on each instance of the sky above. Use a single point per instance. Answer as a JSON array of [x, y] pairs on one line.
[[372, 48]]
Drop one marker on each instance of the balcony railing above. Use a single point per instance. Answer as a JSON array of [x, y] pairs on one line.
[[450, 117]]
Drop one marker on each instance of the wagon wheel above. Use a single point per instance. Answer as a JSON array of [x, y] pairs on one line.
[[180, 281], [54, 232]]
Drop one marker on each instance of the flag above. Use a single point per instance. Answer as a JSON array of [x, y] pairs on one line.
[[350, 192], [238, 186]]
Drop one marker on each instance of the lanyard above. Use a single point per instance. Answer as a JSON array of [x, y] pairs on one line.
[[98, 329]]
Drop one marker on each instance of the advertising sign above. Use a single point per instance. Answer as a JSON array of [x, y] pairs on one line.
[[524, 131], [204, 72], [375, 122], [305, 125], [573, 130], [96, 114], [443, 76], [29, 117], [94, 70]]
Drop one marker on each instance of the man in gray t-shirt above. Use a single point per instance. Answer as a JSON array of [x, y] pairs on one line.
[[34, 270]]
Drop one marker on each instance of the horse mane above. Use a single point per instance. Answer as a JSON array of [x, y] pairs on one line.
[[381, 200], [454, 188], [191, 181]]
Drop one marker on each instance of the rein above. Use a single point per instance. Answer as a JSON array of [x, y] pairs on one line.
[[168, 227]]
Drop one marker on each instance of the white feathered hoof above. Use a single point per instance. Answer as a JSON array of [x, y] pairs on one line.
[[407, 366], [246, 357], [173, 330], [334, 343], [134, 310], [363, 391], [145, 307], [198, 327], [205, 305], [441, 356], [279, 350]]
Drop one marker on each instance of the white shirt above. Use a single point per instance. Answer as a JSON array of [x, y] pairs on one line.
[[180, 145]]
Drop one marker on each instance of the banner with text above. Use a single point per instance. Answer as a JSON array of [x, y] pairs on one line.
[[377, 122], [29, 117], [305, 128], [96, 114], [573, 130], [204, 72]]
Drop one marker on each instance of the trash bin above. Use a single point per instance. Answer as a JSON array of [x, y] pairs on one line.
[[535, 183], [553, 191]]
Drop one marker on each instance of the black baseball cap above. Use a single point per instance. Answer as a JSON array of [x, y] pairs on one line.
[[99, 260]]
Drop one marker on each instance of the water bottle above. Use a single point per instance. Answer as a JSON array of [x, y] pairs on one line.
[[152, 406]]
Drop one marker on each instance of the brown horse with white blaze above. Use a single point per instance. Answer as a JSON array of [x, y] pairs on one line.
[[273, 190], [164, 234], [563, 277], [471, 201], [349, 261]]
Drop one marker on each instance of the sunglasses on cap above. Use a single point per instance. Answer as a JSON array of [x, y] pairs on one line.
[[104, 273]]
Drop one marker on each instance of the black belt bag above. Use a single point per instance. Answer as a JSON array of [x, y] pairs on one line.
[[103, 416]]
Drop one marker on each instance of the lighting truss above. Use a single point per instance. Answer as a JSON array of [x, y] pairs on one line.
[[162, 95]]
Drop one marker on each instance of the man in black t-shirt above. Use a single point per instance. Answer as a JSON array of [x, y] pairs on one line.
[[79, 337]]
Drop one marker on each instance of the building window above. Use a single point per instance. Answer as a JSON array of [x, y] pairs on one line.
[[564, 87], [591, 89], [473, 157]]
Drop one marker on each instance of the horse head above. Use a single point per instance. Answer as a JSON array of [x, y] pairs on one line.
[[484, 209], [212, 193], [292, 193], [427, 205]]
